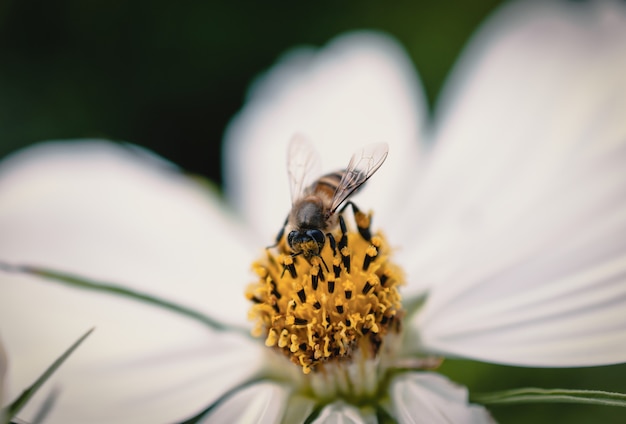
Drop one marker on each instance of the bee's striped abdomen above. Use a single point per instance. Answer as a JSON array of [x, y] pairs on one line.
[[327, 184]]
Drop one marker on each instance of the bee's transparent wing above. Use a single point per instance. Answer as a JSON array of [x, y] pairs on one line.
[[303, 165], [364, 163]]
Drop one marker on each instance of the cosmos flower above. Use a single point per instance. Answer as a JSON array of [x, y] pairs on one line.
[[511, 219]]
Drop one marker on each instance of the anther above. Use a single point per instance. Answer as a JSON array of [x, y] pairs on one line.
[[289, 265], [314, 282], [367, 287], [331, 287], [275, 291], [300, 321], [302, 295], [337, 269], [363, 223], [370, 254], [345, 257], [291, 306]]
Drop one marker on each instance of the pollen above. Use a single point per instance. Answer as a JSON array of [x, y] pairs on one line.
[[324, 311]]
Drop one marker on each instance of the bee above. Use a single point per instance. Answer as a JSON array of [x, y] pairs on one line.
[[314, 205]]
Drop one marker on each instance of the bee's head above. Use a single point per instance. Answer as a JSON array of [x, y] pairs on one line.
[[307, 243]]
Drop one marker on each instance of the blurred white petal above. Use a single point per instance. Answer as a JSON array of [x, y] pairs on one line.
[[118, 215], [299, 408], [521, 218], [430, 398], [141, 364], [261, 403], [342, 413], [359, 89]]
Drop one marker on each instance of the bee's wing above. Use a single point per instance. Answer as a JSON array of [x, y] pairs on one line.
[[364, 163], [303, 165]]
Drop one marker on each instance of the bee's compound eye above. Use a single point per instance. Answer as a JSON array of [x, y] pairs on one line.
[[317, 235], [291, 238]]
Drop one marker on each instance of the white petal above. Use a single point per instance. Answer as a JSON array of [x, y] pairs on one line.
[[259, 403], [359, 89], [115, 214], [299, 408], [342, 413], [521, 220], [140, 364], [430, 398]]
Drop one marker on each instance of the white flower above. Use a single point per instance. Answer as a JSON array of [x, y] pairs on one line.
[[513, 220]]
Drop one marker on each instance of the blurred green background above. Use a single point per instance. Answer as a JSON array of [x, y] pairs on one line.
[[169, 75]]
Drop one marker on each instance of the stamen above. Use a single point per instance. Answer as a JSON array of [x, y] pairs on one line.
[[302, 295], [363, 222], [331, 287], [383, 279], [345, 258], [289, 265], [367, 287], [337, 267], [314, 281], [275, 291], [370, 255]]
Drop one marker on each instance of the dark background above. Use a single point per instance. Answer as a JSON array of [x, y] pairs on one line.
[[169, 75]]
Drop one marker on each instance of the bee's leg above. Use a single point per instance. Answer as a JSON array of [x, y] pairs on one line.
[[280, 234], [333, 243], [363, 221]]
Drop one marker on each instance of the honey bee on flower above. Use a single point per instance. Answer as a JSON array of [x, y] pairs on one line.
[[315, 205], [320, 316]]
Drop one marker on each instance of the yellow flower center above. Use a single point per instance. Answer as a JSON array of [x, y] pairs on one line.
[[331, 309]]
